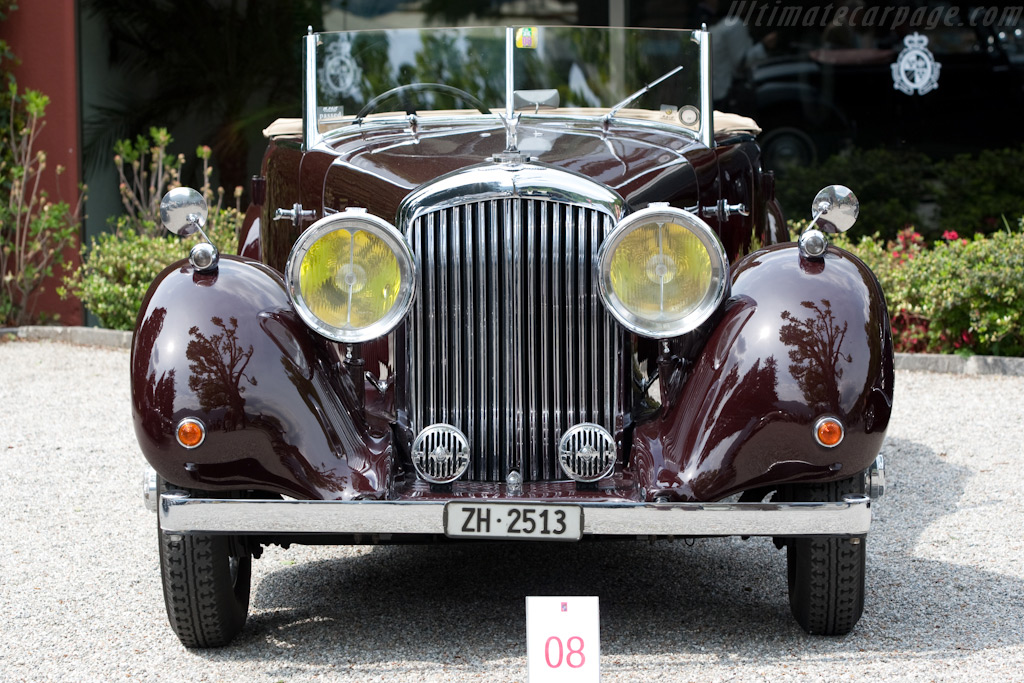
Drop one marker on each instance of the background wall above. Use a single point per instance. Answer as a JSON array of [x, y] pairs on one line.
[[43, 34]]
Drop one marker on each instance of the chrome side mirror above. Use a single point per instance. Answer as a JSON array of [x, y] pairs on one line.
[[834, 209], [838, 205], [183, 211]]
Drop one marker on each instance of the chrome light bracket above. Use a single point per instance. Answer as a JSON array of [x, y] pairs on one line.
[[723, 210]]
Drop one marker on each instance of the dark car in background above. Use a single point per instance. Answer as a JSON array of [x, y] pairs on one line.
[[511, 284], [951, 82]]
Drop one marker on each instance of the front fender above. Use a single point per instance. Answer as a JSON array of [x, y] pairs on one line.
[[227, 348], [799, 339]]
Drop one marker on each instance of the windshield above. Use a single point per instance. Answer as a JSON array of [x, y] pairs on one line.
[[362, 75]]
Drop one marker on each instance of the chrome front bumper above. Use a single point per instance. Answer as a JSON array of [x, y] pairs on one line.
[[180, 514]]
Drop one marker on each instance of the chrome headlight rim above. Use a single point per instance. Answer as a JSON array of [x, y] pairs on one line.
[[354, 220], [708, 304]]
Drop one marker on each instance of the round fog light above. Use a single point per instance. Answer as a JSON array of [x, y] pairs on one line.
[[440, 453], [587, 452]]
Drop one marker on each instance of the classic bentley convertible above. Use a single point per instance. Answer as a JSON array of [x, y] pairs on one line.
[[520, 284]]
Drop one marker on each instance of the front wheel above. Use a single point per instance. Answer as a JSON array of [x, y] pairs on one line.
[[826, 575], [206, 586]]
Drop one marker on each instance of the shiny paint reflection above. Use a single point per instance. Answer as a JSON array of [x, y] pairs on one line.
[[744, 417], [281, 416]]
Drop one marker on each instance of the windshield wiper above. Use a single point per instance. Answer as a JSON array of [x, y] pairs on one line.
[[638, 93]]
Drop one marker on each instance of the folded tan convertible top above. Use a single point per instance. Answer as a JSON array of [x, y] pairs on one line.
[[724, 123]]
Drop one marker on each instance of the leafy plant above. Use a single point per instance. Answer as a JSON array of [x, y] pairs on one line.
[[118, 267], [970, 193], [951, 295], [34, 231], [969, 293], [146, 172], [977, 191], [890, 185]]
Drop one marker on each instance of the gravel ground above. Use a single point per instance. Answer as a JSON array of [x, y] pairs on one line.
[[80, 594]]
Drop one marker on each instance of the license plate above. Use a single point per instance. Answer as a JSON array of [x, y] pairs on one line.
[[534, 522]]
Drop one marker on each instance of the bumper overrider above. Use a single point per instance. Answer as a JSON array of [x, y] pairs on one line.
[[182, 514]]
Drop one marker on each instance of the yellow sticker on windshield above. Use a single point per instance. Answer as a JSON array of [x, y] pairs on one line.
[[526, 37]]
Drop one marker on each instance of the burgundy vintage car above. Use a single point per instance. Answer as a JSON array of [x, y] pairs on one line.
[[517, 284]]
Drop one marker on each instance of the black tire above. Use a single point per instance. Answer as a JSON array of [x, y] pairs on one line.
[[206, 586], [826, 575]]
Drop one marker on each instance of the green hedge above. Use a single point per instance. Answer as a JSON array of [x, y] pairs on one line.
[[119, 266], [969, 193], [951, 295]]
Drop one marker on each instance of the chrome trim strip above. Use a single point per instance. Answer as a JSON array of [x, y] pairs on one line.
[[180, 514], [485, 302], [490, 182], [533, 398], [454, 230], [496, 417], [417, 325], [571, 335], [431, 400], [556, 323]]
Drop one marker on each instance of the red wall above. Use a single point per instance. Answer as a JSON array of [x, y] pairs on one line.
[[42, 33]]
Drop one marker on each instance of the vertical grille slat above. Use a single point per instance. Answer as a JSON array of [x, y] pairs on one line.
[[545, 334], [571, 337], [508, 340], [610, 360], [430, 400]]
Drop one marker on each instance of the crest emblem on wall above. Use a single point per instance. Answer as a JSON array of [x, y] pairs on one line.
[[915, 69]]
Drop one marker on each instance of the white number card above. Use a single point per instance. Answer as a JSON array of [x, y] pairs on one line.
[[563, 639]]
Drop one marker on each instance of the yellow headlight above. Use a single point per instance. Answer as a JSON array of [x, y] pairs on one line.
[[351, 276], [662, 272]]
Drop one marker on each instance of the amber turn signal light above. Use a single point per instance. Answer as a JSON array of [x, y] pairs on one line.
[[828, 431], [191, 432]]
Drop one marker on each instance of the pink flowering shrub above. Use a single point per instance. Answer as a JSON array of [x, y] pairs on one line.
[[954, 295]]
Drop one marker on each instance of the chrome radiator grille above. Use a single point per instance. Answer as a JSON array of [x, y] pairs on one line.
[[508, 339]]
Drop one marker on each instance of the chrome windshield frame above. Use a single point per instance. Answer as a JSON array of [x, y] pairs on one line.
[[312, 136], [707, 109]]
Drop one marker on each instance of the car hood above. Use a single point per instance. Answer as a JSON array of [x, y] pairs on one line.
[[640, 164]]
